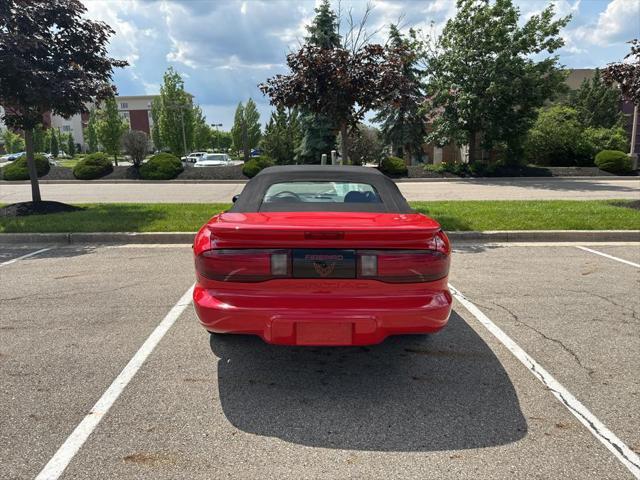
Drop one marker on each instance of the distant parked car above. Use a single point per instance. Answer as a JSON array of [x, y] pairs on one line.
[[10, 157], [193, 157], [256, 152], [214, 160]]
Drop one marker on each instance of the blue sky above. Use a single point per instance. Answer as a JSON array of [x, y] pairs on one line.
[[224, 48]]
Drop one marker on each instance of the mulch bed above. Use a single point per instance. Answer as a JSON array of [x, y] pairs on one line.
[[30, 208], [233, 172], [414, 171]]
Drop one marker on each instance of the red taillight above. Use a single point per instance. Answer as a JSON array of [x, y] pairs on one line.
[[243, 265], [407, 266]]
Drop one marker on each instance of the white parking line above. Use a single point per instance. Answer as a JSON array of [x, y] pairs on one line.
[[54, 468], [608, 256], [628, 458], [14, 260]]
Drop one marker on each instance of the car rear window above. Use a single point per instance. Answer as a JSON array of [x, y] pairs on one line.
[[320, 192]]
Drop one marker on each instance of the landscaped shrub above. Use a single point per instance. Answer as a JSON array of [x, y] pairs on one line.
[[393, 166], [252, 167], [613, 161], [18, 170], [598, 139], [162, 166], [94, 165], [556, 139]]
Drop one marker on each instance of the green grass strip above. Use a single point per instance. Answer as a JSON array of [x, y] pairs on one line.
[[453, 215]]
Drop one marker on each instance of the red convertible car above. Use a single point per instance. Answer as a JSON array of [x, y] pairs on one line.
[[322, 255]]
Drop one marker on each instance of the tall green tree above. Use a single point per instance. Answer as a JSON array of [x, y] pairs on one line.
[[52, 58], [71, 145], [55, 144], [401, 117], [176, 118], [111, 127], [597, 103], [281, 136], [484, 86], [201, 131], [156, 114], [246, 128], [237, 131], [91, 132], [13, 143]]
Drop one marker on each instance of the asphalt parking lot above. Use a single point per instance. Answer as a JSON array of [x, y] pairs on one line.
[[457, 404]]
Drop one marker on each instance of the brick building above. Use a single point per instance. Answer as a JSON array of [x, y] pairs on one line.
[[134, 109]]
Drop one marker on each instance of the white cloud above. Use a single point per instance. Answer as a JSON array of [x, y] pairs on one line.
[[620, 22]]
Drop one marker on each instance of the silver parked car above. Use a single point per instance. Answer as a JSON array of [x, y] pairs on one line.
[[214, 160]]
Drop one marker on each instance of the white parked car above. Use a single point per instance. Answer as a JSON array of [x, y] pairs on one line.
[[193, 157], [214, 160]]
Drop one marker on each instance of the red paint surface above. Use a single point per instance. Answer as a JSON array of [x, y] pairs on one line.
[[293, 311]]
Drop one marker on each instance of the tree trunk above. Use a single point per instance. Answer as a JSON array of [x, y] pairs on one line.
[[472, 146], [31, 165], [345, 143]]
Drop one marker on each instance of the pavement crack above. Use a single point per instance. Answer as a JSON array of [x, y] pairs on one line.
[[625, 309], [558, 342]]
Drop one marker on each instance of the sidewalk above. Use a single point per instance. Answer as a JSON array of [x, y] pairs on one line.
[[576, 188]]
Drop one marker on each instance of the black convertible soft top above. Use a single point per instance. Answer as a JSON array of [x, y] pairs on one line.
[[250, 200]]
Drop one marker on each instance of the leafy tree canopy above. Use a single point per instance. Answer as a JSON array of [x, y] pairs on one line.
[[52, 58], [484, 86], [627, 74]]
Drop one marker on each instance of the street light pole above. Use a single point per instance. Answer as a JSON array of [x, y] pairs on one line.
[[216, 125], [184, 135]]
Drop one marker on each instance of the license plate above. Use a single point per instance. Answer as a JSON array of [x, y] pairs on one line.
[[313, 263], [324, 333]]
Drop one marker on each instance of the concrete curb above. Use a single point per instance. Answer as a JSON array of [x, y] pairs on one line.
[[455, 236], [397, 180]]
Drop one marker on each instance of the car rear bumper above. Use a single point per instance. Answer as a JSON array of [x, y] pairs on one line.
[[290, 323]]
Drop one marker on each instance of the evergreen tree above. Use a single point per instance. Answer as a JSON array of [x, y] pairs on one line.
[[282, 136], [71, 146], [156, 114], [252, 125], [176, 118], [318, 132], [402, 123], [317, 137], [91, 133], [597, 103], [55, 146], [246, 128], [323, 31], [237, 131], [110, 128]]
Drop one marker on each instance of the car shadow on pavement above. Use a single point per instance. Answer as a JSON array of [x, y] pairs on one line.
[[412, 393]]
